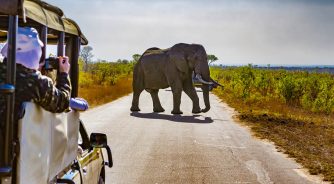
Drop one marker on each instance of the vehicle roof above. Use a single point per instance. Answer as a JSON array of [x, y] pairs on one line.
[[42, 13]]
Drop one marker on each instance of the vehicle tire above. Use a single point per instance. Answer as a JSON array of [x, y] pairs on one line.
[[101, 181]]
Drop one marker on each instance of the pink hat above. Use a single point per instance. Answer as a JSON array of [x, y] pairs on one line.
[[28, 48]]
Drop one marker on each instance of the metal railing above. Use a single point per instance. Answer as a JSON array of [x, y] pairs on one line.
[[8, 90]]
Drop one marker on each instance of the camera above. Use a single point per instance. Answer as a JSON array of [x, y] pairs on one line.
[[52, 63]]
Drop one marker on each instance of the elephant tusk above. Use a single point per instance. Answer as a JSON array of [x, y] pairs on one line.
[[199, 77], [216, 83]]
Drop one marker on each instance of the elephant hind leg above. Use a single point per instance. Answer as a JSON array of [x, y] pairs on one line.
[[176, 101], [137, 86], [137, 89], [135, 100], [156, 101]]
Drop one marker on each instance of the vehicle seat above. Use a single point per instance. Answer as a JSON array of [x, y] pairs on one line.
[[48, 143]]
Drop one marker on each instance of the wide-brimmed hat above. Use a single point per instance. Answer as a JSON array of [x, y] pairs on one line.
[[28, 48]]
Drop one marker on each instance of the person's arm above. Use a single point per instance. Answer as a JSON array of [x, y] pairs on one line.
[[55, 98]]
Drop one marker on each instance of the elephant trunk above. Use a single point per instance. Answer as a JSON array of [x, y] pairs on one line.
[[197, 69], [202, 74]]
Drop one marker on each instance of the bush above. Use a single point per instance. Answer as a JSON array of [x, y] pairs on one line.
[[103, 73], [310, 91], [101, 82]]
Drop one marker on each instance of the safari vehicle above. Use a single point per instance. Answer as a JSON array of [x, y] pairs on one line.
[[46, 147]]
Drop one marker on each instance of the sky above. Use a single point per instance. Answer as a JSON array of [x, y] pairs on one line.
[[296, 32]]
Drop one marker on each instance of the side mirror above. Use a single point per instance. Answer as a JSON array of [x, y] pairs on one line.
[[98, 140]]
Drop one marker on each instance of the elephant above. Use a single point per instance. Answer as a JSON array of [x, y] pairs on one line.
[[172, 67]]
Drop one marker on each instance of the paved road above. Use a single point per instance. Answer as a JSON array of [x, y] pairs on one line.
[[205, 148]]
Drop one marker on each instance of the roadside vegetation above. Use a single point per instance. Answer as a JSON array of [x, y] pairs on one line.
[[102, 81], [293, 109]]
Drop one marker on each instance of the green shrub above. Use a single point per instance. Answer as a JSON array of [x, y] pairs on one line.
[[103, 73], [310, 91]]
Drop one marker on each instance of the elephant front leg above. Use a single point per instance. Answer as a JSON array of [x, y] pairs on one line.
[[191, 92], [206, 96], [176, 101], [156, 101]]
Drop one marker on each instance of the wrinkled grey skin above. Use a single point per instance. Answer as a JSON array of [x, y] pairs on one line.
[[172, 67]]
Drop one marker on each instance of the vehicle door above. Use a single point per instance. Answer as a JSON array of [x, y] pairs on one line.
[[90, 159]]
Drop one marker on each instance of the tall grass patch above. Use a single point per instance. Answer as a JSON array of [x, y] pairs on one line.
[[102, 82], [100, 94], [295, 109]]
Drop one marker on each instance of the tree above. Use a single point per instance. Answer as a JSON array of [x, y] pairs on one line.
[[211, 58], [123, 61], [86, 55], [136, 57]]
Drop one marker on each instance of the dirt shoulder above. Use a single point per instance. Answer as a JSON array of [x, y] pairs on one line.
[[100, 94], [306, 137]]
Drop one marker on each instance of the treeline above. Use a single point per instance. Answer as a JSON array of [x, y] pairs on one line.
[[310, 91], [103, 72], [101, 81]]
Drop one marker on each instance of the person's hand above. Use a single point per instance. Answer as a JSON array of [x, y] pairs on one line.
[[64, 65]]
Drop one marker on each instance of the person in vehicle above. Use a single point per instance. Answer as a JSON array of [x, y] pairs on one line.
[[78, 104], [31, 85], [54, 98]]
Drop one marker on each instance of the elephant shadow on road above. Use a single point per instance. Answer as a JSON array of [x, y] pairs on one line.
[[197, 90], [175, 118]]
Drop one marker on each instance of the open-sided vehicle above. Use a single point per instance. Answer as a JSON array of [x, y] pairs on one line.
[[45, 147]]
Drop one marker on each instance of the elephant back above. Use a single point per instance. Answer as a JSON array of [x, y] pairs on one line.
[[154, 51], [153, 65]]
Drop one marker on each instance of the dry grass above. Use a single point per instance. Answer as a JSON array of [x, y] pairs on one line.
[[304, 135], [100, 94]]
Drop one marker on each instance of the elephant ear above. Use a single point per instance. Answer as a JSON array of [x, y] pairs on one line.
[[179, 60]]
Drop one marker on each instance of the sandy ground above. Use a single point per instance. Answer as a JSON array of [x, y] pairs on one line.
[[205, 148]]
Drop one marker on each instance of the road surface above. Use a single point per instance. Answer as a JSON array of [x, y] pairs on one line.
[[206, 148]]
